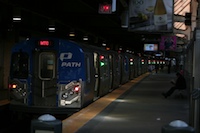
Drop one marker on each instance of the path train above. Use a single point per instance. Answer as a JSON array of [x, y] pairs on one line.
[[52, 75]]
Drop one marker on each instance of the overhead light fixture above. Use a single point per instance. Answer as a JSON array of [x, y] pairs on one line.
[[72, 34], [52, 26], [17, 15], [104, 44], [17, 19], [52, 29], [85, 38]]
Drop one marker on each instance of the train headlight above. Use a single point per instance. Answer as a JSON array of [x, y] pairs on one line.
[[18, 89], [12, 86]]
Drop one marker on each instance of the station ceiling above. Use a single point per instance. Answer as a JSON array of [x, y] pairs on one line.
[[79, 15]]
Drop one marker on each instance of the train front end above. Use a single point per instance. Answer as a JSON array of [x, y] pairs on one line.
[[46, 76]]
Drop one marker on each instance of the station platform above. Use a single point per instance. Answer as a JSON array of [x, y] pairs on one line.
[[135, 107]]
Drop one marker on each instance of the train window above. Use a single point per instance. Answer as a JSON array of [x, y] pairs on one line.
[[19, 65], [88, 69], [47, 65], [126, 63]]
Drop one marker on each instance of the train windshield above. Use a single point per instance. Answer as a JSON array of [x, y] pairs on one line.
[[19, 65], [47, 65]]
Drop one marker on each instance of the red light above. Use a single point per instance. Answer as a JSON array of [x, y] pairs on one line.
[[44, 43], [105, 8], [77, 88], [12, 86], [101, 57]]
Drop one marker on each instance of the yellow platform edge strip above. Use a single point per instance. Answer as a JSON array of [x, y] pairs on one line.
[[78, 119]]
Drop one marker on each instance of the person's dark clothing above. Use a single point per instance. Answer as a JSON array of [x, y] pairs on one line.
[[156, 67], [162, 67], [179, 85]]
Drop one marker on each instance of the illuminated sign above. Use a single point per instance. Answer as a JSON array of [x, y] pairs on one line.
[[105, 8], [168, 43], [150, 47], [151, 15], [45, 43]]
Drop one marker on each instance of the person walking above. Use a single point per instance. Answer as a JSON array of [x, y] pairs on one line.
[[180, 84]]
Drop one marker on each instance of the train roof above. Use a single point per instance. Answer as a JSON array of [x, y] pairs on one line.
[[81, 45]]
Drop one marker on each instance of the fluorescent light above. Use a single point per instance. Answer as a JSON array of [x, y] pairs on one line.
[[17, 19], [104, 44], [71, 34], [52, 29], [85, 38]]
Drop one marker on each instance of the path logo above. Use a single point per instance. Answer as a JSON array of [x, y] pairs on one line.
[[66, 62], [64, 56]]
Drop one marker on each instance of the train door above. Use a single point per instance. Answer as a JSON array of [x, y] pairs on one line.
[[124, 69], [111, 72], [104, 74], [131, 65], [96, 67], [139, 66], [120, 68], [44, 79], [116, 70], [101, 64], [90, 80]]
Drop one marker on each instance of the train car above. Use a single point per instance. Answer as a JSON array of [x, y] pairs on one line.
[[125, 68], [116, 69], [132, 69], [51, 75], [144, 65]]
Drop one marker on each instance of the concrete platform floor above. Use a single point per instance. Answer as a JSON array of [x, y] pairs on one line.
[[135, 107]]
